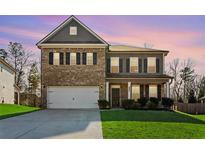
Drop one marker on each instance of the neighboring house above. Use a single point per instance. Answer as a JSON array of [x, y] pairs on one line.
[[7, 83], [79, 67], [202, 99]]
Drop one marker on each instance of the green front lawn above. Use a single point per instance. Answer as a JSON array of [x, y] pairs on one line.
[[10, 110], [142, 124]]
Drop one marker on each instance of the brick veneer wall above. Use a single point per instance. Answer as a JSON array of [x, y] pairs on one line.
[[73, 75]]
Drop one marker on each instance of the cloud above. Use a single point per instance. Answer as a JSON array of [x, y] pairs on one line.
[[22, 32], [4, 41]]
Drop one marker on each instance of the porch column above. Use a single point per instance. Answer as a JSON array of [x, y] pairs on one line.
[[163, 58], [129, 90], [167, 90], [107, 91]]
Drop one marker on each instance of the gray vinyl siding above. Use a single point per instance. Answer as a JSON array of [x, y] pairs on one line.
[[83, 35], [143, 56]]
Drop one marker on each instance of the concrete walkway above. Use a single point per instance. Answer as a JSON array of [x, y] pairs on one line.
[[60, 124]]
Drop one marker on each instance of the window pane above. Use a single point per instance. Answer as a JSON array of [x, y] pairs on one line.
[[73, 30], [135, 92], [114, 64], [152, 90], [89, 58], [56, 58], [72, 58], [133, 64], [151, 64]]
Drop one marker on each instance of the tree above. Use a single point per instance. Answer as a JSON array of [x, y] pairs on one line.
[[192, 98], [19, 58], [3, 53], [148, 45], [201, 87], [33, 78], [188, 77], [174, 71]]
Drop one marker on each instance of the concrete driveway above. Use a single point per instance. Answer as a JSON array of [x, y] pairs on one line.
[[60, 124]]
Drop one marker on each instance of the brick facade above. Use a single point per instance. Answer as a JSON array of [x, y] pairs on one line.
[[73, 75]]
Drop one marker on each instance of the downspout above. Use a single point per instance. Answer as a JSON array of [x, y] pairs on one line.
[[169, 86], [106, 51]]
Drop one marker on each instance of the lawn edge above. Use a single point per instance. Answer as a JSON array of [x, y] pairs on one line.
[[17, 114]]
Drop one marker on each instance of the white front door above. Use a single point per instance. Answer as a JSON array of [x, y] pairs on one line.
[[72, 97]]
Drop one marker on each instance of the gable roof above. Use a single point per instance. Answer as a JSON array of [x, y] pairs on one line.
[[127, 48], [66, 22], [2, 61]]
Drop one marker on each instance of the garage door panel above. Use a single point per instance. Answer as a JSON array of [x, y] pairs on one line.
[[73, 97]]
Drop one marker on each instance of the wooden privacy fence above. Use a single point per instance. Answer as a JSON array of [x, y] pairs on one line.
[[193, 108]]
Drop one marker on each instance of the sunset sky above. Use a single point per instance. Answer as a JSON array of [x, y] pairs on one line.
[[183, 36]]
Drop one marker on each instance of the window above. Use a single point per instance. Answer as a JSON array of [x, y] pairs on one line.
[[50, 59], [78, 58], [84, 58], [152, 90], [61, 58], [73, 30], [95, 61], [72, 58], [114, 64], [89, 59], [135, 92], [133, 64], [56, 58], [151, 64], [67, 58]]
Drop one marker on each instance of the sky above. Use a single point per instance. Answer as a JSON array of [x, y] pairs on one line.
[[183, 36]]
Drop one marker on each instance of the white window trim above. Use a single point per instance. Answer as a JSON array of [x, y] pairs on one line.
[[136, 58], [72, 53], [118, 64], [135, 85], [148, 64], [73, 30], [56, 61], [155, 86], [87, 58]]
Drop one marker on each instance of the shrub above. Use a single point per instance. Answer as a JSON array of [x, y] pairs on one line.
[[180, 100], [151, 105], [167, 102], [103, 104], [136, 105], [192, 98], [142, 101], [128, 103], [154, 100]]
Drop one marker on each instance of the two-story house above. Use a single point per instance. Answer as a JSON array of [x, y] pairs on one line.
[[8, 90], [79, 67]]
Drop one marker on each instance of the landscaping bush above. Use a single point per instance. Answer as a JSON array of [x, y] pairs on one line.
[[128, 103], [180, 100], [192, 98], [104, 104], [167, 102], [142, 101], [153, 103], [136, 105], [154, 100]]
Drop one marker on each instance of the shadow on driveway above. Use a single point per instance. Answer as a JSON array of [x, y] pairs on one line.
[[53, 124]]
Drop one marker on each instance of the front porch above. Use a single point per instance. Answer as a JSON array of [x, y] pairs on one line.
[[122, 89]]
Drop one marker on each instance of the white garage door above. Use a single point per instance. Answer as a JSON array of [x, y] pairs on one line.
[[72, 97]]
